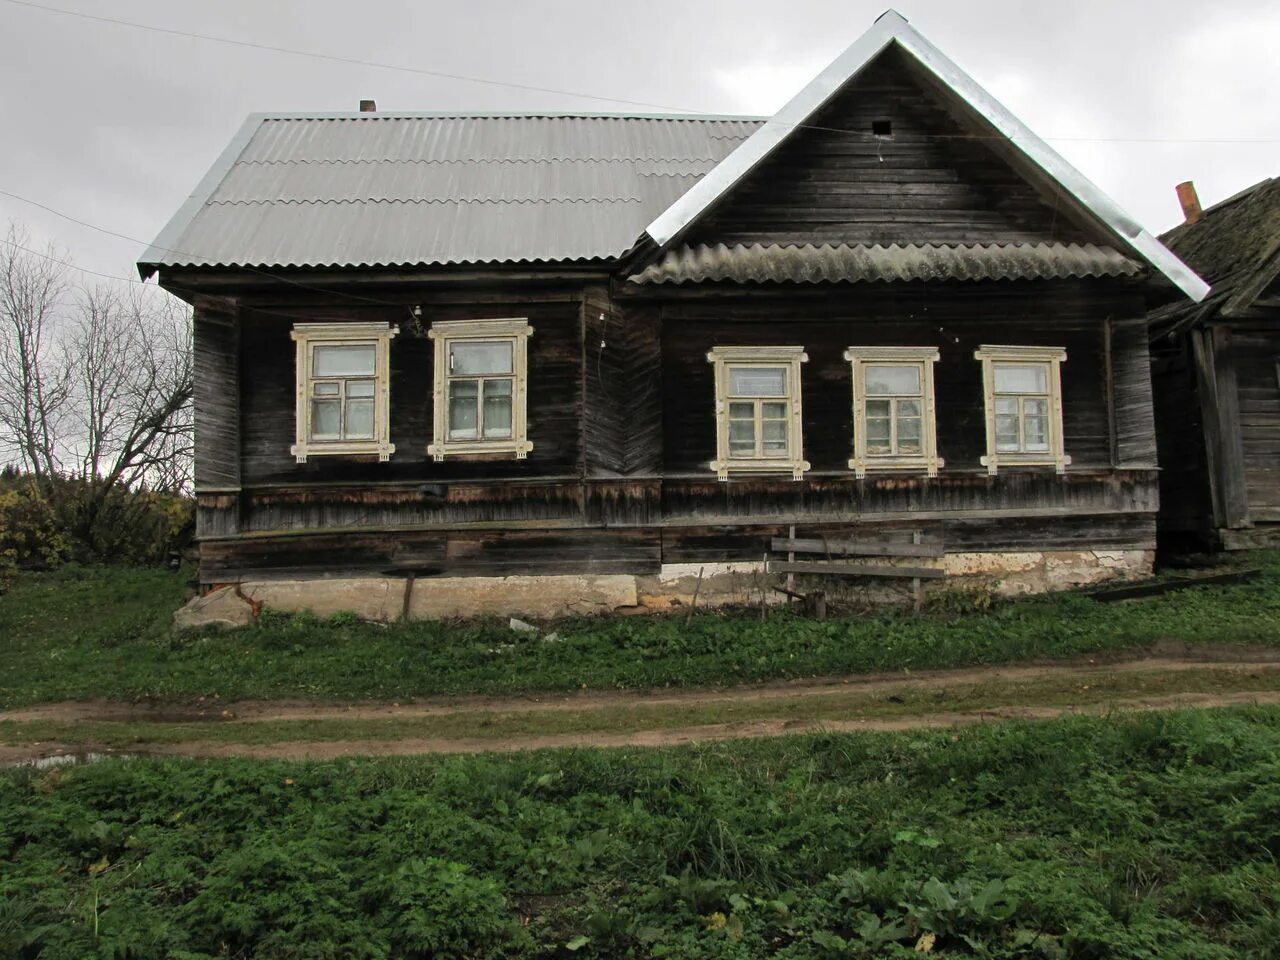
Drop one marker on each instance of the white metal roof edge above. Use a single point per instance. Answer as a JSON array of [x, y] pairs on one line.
[[892, 27], [172, 231], [508, 115]]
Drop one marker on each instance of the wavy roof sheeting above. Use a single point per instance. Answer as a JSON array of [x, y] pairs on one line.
[[361, 189], [834, 263]]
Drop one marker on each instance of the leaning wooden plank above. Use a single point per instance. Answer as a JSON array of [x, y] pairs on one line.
[[1154, 588], [852, 548], [853, 569]]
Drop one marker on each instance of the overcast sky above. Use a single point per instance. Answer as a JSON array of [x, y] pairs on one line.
[[114, 125]]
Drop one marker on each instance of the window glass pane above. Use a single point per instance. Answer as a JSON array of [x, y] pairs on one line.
[[1035, 432], [477, 357], [909, 435], [1022, 378], [463, 409], [359, 420], [742, 438], [878, 408], [908, 408], [773, 411], [497, 409], [1006, 407], [1035, 407], [893, 378], [1007, 433], [360, 388], [878, 436], [325, 389], [354, 360], [326, 416], [742, 411], [774, 435], [758, 381]]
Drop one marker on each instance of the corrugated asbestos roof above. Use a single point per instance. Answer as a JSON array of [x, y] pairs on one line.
[[760, 263], [408, 189]]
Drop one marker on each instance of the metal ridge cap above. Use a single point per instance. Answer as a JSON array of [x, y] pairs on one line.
[[506, 115]]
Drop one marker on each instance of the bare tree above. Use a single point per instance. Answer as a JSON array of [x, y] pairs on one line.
[[35, 378], [94, 381], [129, 355]]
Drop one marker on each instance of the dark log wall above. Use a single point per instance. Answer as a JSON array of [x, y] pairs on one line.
[[1186, 508], [957, 319], [555, 367], [1256, 356], [932, 182], [621, 414], [622, 370], [216, 396]]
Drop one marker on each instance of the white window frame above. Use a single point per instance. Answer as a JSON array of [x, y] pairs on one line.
[[309, 335], [515, 331], [726, 358], [923, 359], [1051, 358]]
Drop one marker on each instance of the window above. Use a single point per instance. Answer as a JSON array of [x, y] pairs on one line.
[[1023, 388], [343, 389], [893, 409], [480, 373], [758, 410]]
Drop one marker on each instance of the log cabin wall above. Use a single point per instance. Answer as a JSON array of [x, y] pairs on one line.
[[619, 481], [930, 179], [1255, 350]]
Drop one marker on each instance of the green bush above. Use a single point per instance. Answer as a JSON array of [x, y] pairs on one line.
[[45, 522]]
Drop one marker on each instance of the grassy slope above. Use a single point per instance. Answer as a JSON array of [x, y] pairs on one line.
[[105, 633], [1145, 837]]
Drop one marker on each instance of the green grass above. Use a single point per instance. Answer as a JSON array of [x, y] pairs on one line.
[[1142, 837], [104, 633], [887, 703]]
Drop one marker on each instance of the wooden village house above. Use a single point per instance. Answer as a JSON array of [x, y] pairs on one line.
[[1216, 377], [537, 362]]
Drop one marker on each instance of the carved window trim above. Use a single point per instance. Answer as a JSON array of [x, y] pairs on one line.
[[307, 336], [1051, 360], [515, 331], [725, 359], [921, 358]]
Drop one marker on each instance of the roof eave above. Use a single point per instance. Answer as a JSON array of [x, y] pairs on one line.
[[892, 27]]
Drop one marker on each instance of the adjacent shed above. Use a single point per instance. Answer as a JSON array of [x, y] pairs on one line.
[[1216, 376]]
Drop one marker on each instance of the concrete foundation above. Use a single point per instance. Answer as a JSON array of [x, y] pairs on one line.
[[674, 587]]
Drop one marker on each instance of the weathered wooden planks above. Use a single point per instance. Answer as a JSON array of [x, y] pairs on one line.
[[856, 548], [854, 569]]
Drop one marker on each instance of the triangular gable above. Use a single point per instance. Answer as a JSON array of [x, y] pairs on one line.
[[892, 28]]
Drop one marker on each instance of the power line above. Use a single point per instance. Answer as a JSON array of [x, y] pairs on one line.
[[334, 58], [69, 264], [440, 74], [187, 253]]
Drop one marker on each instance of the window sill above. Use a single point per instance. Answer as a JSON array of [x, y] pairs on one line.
[[343, 448], [929, 467], [1010, 460], [517, 449], [728, 468]]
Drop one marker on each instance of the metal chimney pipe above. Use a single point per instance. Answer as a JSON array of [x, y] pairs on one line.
[[1190, 201]]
